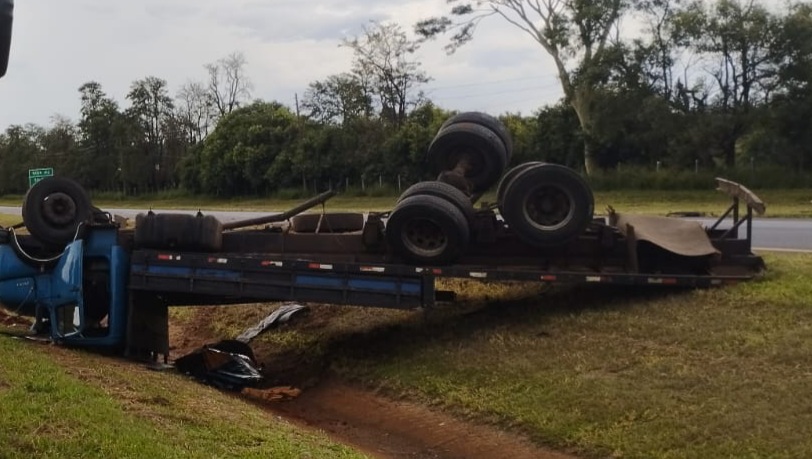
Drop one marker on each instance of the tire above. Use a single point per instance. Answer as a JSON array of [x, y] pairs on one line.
[[500, 189], [427, 230], [330, 223], [54, 208], [480, 146], [444, 191], [490, 122], [547, 205], [178, 232]]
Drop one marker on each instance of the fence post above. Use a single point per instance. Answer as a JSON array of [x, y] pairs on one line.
[[380, 181], [363, 183], [399, 188]]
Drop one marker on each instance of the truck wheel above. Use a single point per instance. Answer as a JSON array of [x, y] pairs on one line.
[[500, 189], [547, 204], [473, 149], [339, 222], [444, 191], [490, 122], [54, 208], [426, 229]]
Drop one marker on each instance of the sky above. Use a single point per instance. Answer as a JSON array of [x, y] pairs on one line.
[[58, 45]]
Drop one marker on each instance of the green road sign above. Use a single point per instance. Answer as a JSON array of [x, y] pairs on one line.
[[35, 175]]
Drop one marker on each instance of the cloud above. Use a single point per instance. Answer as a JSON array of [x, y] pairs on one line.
[[58, 45]]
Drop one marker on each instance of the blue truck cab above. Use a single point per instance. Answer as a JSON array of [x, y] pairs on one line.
[[78, 297]]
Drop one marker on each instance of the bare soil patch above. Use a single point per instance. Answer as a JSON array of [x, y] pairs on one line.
[[376, 424], [387, 428]]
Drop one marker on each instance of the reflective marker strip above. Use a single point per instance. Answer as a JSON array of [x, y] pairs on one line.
[[221, 261], [594, 279], [166, 257], [320, 266], [549, 278], [437, 271], [372, 269], [478, 275], [278, 264], [661, 281]]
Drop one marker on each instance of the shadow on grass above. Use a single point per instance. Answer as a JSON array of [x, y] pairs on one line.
[[449, 323]]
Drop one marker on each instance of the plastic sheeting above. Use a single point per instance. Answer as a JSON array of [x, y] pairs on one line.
[[280, 315]]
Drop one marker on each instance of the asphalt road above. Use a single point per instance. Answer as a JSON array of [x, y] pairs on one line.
[[768, 233]]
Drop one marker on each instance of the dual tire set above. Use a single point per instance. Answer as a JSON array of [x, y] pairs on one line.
[[545, 205]]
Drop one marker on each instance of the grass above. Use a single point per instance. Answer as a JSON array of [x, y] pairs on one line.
[[795, 203], [602, 372], [8, 220], [59, 403]]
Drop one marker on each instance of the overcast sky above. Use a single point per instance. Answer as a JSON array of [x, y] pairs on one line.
[[60, 44]]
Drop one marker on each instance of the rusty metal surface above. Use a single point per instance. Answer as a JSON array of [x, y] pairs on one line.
[[738, 191], [682, 237]]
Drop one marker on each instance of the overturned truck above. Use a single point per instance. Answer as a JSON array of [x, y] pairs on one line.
[[89, 281]]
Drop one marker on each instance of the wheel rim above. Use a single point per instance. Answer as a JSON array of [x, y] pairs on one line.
[[424, 237], [59, 209], [548, 208]]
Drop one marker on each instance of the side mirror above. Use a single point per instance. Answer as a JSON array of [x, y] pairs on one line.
[[6, 14]]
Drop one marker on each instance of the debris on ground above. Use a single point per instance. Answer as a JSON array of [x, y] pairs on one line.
[[281, 315], [274, 394], [229, 365], [13, 320]]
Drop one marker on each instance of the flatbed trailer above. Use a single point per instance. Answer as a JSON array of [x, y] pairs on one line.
[[112, 287], [342, 269]]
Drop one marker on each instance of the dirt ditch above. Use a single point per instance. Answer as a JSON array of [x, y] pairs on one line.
[[386, 428], [378, 425]]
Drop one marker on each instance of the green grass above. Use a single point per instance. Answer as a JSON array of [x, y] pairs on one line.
[[602, 371], [8, 220], [58, 403], [716, 373]]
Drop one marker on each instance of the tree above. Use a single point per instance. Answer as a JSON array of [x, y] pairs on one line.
[[99, 159], [575, 33], [735, 39], [151, 109], [339, 99], [382, 59], [194, 110], [790, 116], [228, 85], [246, 152], [663, 40]]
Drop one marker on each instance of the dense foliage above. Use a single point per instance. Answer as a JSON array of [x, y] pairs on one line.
[[706, 88]]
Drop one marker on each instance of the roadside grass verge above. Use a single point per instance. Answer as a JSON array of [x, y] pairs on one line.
[[59, 403], [599, 371], [8, 220], [791, 203]]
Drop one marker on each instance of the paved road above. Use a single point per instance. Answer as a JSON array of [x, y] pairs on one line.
[[768, 233]]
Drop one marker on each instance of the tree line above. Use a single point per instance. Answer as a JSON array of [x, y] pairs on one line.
[[714, 85]]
